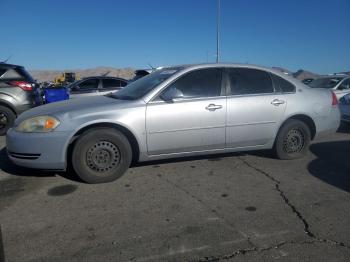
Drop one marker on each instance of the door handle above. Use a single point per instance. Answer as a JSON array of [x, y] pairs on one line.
[[277, 102], [213, 107]]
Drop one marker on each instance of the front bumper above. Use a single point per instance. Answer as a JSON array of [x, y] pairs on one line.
[[38, 150]]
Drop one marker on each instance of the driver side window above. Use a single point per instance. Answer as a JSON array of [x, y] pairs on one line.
[[196, 84]]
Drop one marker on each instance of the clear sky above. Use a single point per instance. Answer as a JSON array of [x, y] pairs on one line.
[[61, 34]]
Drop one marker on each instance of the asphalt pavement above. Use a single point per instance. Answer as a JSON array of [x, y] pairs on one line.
[[232, 207]]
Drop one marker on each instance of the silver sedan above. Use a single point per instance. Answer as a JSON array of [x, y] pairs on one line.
[[176, 111]]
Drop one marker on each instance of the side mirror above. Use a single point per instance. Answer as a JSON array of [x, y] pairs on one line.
[[171, 93]]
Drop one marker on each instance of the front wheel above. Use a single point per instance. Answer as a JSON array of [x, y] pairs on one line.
[[101, 155], [7, 118], [293, 140]]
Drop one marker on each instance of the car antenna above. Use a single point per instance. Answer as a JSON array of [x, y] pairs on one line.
[[105, 74], [149, 64], [5, 61]]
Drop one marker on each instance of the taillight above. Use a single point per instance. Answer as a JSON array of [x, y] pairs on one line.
[[22, 84], [334, 99]]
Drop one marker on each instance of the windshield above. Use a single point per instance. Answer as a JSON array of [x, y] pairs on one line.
[[144, 85], [326, 82]]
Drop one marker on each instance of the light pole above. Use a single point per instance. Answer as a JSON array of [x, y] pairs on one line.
[[218, 34]]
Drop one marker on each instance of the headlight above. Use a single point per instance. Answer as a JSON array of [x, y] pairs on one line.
[[38, 124]]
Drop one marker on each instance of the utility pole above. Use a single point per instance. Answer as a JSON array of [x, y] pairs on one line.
[[218, 34]]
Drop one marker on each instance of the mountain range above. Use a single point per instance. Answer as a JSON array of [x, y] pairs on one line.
[[128, 73], [49, 75]]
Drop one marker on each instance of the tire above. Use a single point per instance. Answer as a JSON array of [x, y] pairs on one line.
[[7, 119], [293, 140], [101, 155]]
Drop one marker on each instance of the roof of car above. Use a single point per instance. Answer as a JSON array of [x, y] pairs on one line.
[[241, 65], [104, 77], [335, 75], [5, 65], [144, 71], [204, 65], [200, 65]]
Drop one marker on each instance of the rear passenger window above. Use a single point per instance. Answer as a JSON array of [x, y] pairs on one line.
[[11, 74], [245, 81], [282, 85], [2, 71]]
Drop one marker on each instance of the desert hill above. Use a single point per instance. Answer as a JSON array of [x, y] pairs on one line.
[[49, 75]]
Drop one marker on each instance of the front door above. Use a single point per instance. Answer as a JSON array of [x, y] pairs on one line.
[[192, 118]]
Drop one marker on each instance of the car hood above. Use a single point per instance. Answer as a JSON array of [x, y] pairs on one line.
[[71, 106]]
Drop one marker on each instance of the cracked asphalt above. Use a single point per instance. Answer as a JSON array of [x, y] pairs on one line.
[[232, 207]]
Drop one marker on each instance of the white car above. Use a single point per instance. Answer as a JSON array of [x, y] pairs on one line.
[[338, 83]]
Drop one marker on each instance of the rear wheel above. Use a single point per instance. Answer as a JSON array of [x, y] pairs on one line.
[[293, 140], [7, 118], [101, 155]]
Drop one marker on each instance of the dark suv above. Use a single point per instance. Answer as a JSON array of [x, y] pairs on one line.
[[17, 94]]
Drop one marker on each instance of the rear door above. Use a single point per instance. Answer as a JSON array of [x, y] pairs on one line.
[[254, 109], [192, 122]]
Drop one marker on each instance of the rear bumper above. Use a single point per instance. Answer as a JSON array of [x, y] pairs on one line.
[[327, 126], [38, 150]]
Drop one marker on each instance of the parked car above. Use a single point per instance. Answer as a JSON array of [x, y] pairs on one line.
[[307, 81], [344, 105], [140, 73], [95, 85], [90, 86], [17, 94], [143, 72], [339, 83], [173, 112]]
